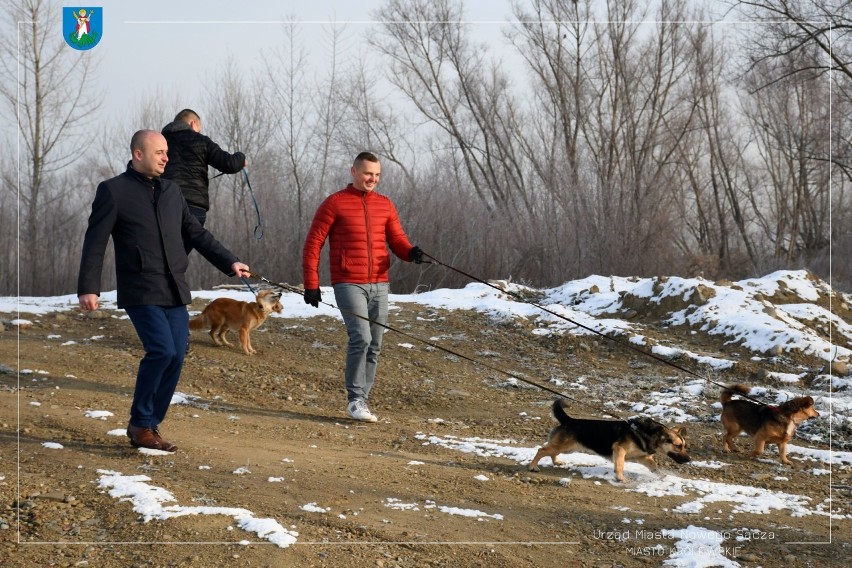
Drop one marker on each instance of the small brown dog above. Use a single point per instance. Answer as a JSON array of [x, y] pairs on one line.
[[619, 440], [767, 424], [223, 314]]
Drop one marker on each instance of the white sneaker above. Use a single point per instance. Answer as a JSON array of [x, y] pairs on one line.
[[357, 410]]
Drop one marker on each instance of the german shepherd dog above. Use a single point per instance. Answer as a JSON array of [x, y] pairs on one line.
[[767, 424], [618, 440], [223, 314]]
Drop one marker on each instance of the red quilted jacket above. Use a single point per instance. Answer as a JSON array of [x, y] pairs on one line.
[[360, 226]]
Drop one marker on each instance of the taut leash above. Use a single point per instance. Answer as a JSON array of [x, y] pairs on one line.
[[296, 290], [520, 298]]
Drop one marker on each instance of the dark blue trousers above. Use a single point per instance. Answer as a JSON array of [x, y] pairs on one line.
[[163, 332]]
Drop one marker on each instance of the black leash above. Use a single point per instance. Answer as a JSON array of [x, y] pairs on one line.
[[600, 409], [295, 290], [520, 298], [258, 228], [248, 284]]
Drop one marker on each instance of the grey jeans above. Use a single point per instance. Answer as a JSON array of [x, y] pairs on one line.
[[365, 338]]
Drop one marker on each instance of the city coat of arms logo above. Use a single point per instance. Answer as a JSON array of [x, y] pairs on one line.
[[82, 28]]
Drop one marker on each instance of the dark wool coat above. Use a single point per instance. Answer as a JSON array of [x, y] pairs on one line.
[[148, 221], [360, 226], [190, 153]]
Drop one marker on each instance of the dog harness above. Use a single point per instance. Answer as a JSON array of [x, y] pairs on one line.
[[643, 441]]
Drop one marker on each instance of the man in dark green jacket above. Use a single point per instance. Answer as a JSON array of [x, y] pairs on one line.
[[148, 220]]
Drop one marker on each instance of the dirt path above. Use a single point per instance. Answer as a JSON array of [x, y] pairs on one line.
[[269, 434]]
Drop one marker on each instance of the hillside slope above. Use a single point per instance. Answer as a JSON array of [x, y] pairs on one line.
[[271, 473]]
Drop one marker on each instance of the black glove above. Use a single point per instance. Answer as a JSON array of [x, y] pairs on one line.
[[313, 297], [416, 255]]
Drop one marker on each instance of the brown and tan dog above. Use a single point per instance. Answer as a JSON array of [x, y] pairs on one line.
[[767, 424], [619, 440], [223, 314]]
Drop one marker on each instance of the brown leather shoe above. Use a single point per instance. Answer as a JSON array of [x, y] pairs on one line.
[[165, 445], [141, 437]]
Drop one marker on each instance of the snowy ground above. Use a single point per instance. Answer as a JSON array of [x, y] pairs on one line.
[[786, 320]]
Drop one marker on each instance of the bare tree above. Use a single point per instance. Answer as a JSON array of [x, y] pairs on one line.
[[310, 119], [9, 232], [719, 208], [451, 83], [46, 89], [311, 112], [332, 90], [793, 25], [553, 38], [800, 68], [790, 28], [618, 91], [791, 122], [372, 122]]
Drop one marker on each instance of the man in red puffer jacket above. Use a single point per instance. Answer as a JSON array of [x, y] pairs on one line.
[[360, 225]]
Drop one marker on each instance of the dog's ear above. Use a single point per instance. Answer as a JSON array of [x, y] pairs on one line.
[[681, 431], [799, 403]]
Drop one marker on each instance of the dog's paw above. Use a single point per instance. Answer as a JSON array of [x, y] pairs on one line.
[[533, 468]]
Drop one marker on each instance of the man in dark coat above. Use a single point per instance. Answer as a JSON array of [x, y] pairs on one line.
[[148, 220], [190, 152]]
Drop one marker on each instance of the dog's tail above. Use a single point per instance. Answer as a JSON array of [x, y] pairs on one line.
[[560, 414], [729, 391], [198, 322]]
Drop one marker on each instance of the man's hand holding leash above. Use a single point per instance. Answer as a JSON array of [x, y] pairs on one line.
[[313, 297]]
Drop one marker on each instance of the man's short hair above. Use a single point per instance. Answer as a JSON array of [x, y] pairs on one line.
[[365, 157], [138, 139], [186, 115]]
